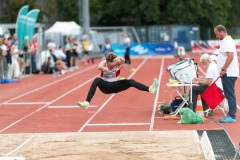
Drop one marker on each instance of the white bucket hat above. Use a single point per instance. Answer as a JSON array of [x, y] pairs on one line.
[[214, 58]]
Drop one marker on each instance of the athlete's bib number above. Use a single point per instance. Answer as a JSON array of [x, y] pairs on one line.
[[109, 75]]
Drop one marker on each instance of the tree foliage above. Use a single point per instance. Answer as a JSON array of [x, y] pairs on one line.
[[68, 10], [47, 8]]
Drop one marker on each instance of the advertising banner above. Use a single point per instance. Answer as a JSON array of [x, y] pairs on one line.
[[31, 21], [20, 24], [209, 46], [145, 49]]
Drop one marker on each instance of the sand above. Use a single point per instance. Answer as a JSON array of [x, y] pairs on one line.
[[105, 146]]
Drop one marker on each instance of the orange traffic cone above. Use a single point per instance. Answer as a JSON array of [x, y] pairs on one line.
[[199, 108]]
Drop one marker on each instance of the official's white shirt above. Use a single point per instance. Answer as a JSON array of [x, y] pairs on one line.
[[213, 73], [228, 45], [51, 44]]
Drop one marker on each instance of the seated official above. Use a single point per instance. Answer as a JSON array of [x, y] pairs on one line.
[[204, 83]]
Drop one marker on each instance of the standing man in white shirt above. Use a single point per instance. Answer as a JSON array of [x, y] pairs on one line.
[[228, 68]]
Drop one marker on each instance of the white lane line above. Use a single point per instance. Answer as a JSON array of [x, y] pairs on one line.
[[80, 130], [238, 106], [20, 145], [50, 103], [119, 124], [68, 106], [202, 70], [26, 103], [156, 97], [51, 83]]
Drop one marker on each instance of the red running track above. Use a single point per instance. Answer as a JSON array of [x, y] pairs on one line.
[[25, 107]]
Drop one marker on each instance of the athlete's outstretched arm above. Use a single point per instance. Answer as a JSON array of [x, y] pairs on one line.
[[102, 65]]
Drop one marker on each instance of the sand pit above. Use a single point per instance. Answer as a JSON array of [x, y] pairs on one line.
[[105, 146]]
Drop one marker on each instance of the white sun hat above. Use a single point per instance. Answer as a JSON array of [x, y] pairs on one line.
[[214, 58], [216, 52]]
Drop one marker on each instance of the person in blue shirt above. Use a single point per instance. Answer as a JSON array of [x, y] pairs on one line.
[[107, 47]]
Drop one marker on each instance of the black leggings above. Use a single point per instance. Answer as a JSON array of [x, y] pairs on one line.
[[113, 87]]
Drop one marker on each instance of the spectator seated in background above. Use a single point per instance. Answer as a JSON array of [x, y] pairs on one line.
[[60, 67], [47, 67], [60, 53], [52, 54]]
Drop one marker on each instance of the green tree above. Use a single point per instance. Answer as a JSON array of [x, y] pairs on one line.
[[118, 12], [68, 10], [206, 13], [47, 8]]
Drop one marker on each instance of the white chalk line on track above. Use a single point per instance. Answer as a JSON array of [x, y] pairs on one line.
[[104, 104], [69, 106], [118, 124], [20, 145], [24, 103], [156, 97], [86, 69], [50, 102]]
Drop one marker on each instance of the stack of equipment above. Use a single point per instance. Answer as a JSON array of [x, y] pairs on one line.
[[183, 71]]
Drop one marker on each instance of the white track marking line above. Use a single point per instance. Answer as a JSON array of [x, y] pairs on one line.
[[50, 84], [156, 97], [118, 124], [26, 103], [96, 113], [68, 106], [49, 103], [20, 145], [80, 130]]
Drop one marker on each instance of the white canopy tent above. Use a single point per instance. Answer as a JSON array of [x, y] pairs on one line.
[[66, 28]]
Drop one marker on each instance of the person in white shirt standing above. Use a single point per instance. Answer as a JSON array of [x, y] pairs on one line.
[[15, 54], [228, 68], [127, 42], [51, 45]]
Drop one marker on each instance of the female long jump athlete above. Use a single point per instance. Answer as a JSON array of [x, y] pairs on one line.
[[109, 81]]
